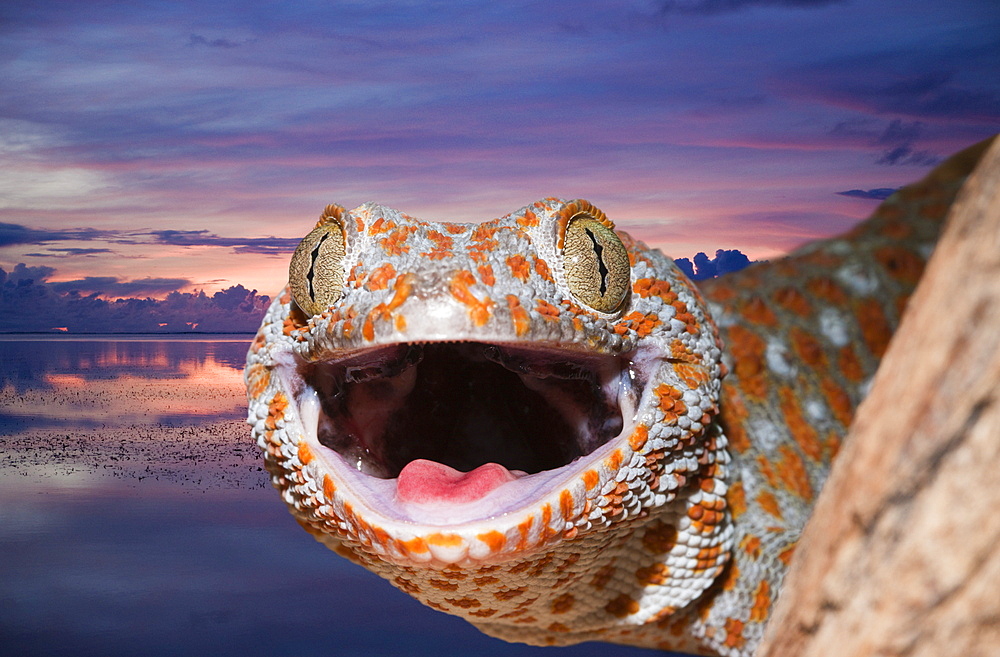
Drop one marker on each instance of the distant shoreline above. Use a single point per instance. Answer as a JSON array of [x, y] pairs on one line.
[[135, 337]]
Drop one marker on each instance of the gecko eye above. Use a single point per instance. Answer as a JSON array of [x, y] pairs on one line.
[[596, 263], [316, 273]]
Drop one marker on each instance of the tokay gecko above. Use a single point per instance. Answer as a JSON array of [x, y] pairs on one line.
[[539, 424]]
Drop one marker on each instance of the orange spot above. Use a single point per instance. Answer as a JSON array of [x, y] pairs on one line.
[[522, 322], [792, 472], [808, 349], [547, 310], [494, 539], [838, 400], [849, 364], [785, 556], [643, 325], [442, 246], [737, 499], [802, 431], [484, 232], [566, 504], [734, 633], [591, 479], [654, 287], [827, 290], [368, 329], [395, 242], [542, 268], [653, 575], [693, 376], [638, 438], [305, 454], [486, 275], [524, 529], [875, 327], [769, 503], [793, 300], [751, 545], [764, 465], [359, 224], [529, 219], [546, 517], [464, 603], [622, 606], [748, 352], [443, 585], [445, 540], [562, 604], [614, 460], [519, 267], [328, 488], [380, 277], [757, 311], [402, 288], [761, 603], [258, 379], [479, 311], [381, 536]]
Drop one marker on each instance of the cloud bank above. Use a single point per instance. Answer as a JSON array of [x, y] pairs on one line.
[[30, 303]]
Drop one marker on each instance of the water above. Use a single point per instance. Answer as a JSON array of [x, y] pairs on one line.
[[135, 518]]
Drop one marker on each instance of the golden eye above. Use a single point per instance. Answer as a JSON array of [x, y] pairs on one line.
[[596, 263], [316, 273]]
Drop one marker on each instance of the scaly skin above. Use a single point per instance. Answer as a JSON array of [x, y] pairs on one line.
[[676, 531]]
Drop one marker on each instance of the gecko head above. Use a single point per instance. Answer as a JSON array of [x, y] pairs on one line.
[[452, 394]]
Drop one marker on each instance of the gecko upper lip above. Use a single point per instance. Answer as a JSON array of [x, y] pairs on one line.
[[467, 404]]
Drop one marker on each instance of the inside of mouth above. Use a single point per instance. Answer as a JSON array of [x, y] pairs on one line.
[[466, 405]]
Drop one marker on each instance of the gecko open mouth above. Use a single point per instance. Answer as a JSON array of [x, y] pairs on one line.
[[406, 410]]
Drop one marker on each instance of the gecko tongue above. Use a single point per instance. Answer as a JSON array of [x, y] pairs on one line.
[[422, 481]]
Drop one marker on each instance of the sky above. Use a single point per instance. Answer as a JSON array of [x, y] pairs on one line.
[[157, 147]]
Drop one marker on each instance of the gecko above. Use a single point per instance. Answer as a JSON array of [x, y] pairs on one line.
[[539, 424]]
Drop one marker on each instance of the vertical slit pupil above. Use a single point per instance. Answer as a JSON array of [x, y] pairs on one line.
[[602, 268], [312, 265]]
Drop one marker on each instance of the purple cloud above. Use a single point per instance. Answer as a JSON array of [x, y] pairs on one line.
[[725, 261], [879, 194], [198, 40], [261, 245], [67, 252], [11, 234], [15, 234]]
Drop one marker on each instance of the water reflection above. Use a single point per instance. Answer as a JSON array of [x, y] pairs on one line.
[[135, 518], [105, 383], [32, 363]]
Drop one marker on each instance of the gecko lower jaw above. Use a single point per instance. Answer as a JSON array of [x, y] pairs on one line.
[[469, 404]]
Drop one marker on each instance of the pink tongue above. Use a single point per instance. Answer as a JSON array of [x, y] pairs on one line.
[[425, 481]]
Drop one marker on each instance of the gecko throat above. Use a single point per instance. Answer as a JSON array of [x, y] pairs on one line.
[[468, 404]]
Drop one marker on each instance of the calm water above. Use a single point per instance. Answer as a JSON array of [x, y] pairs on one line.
[[135, 519]]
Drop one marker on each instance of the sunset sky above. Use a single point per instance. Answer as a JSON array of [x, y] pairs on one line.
[[148, 147]]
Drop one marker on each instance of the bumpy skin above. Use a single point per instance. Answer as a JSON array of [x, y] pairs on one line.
[[677, 532]]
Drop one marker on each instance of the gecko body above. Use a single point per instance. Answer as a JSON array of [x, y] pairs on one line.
[[540, 425]]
